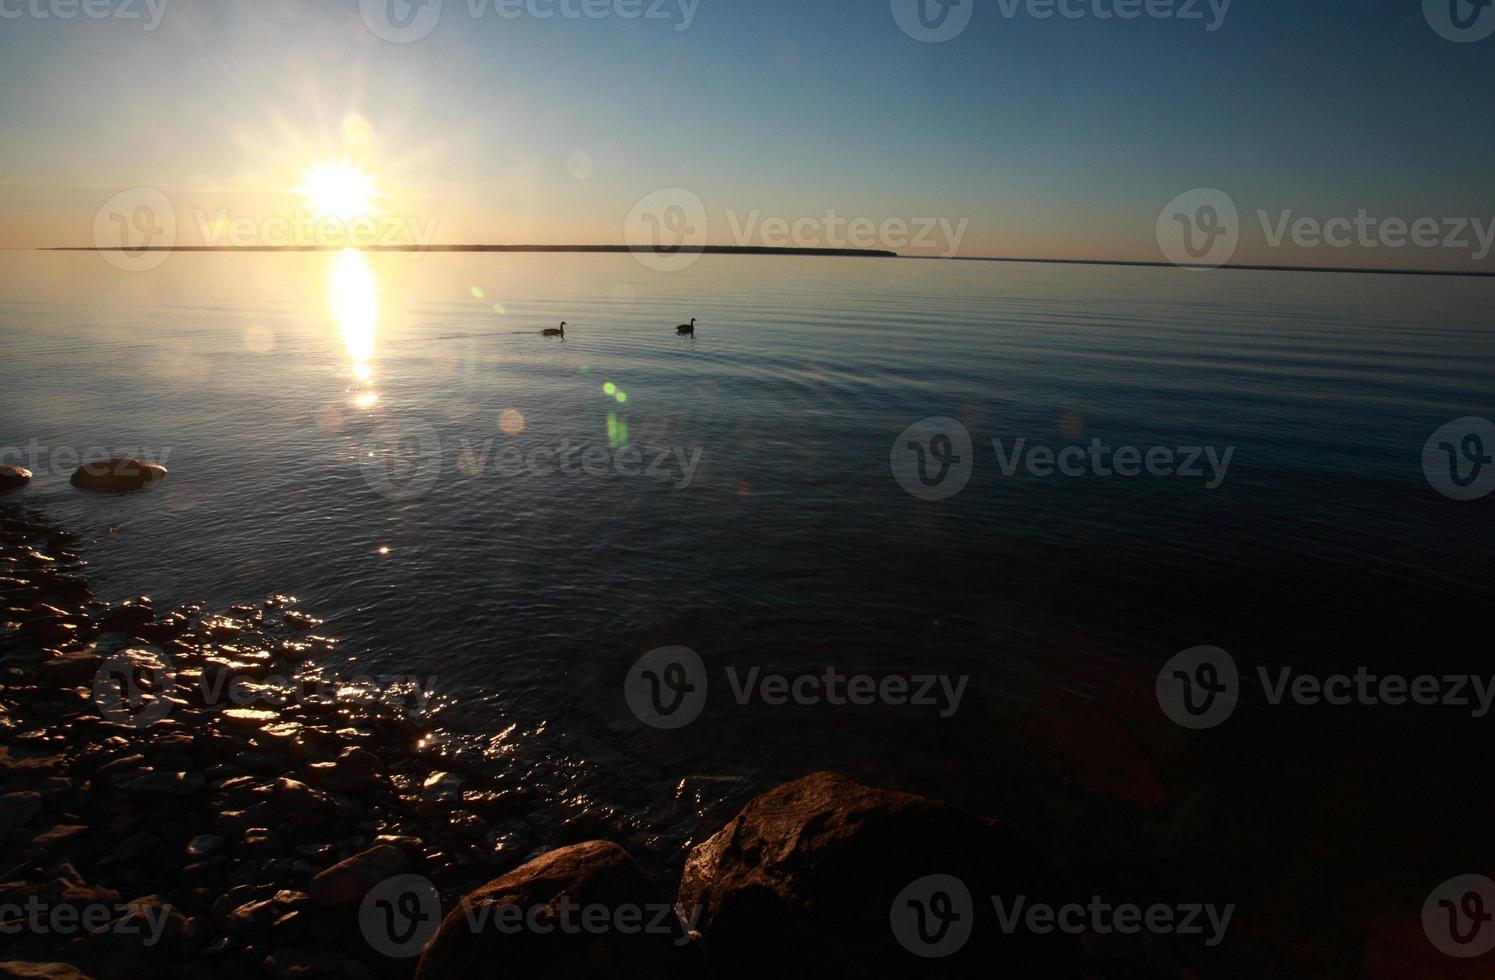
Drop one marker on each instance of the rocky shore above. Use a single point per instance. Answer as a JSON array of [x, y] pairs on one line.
[[167, 810]]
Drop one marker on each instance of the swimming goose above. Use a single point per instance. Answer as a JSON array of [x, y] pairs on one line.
[[555, 331], [687, 328]]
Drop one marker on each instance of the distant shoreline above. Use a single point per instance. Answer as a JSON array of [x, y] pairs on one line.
[[1136, 263], [772, 250], [625, 249]]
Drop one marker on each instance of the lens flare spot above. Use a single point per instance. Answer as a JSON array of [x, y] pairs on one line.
[[511, 422], [477, 292], [610, 389]]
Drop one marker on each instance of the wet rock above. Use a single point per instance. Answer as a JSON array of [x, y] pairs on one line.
[[818, 863], [595, 874], [16, 809], [158, 783], [348, 881], [69, 668], [117, 475], [301, 800], [251, 921], [203, 845], [63, 838], [290, 964], [356, 770], [126, 618], [442, 787], [13, 477], [17, 970]]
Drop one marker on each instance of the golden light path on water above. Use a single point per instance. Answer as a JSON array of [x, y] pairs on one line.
[[353, 294]]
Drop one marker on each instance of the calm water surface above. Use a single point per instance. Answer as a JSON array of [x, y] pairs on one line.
[[269, 380]]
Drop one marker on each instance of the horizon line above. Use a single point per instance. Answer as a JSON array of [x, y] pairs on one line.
[[771, 250]]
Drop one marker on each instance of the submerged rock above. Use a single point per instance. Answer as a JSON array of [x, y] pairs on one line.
[[117, 475], [595, 914], [828, 868], [347, 882], [13, 477]]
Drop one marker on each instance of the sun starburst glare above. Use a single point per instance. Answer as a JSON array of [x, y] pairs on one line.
[[339, 189]]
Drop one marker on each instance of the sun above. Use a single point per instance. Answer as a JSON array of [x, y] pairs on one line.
[[338, 189]]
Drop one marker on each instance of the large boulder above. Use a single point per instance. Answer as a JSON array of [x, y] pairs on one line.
[[827, 877], [117, 475], [585, 911], [13, 477]]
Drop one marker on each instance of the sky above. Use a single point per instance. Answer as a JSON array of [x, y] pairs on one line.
[[1059, 137]]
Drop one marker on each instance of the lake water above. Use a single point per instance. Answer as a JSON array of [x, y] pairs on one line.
[[316, 409]]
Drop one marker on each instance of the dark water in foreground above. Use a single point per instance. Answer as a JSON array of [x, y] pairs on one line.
[[762, 526]]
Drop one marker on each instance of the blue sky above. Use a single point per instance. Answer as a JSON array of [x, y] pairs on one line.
[[1049, 137]]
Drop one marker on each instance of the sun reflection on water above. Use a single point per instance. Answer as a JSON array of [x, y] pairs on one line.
[[354, 298]]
